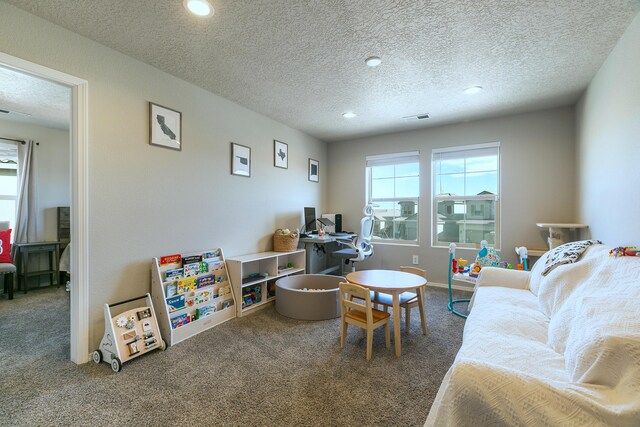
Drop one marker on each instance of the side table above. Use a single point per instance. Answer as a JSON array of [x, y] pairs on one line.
[[22, 262]]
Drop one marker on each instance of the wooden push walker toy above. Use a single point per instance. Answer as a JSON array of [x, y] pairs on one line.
[[129, 334]]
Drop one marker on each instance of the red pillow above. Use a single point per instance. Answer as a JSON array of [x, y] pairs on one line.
[[5, 246]]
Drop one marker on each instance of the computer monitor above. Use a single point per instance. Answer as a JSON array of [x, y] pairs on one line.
[[309, 219]]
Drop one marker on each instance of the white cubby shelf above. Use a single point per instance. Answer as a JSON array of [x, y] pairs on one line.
[[254, 276]]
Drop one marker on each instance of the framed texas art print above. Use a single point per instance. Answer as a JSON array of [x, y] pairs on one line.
[[280, 154]]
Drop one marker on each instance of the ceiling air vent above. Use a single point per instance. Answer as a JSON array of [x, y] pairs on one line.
[[3, 111], [422, 116]]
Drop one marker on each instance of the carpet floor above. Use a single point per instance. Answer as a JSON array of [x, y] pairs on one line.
[[261, 370]]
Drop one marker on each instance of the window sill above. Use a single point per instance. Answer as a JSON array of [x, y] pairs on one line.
[[463, 248], [408, 245]]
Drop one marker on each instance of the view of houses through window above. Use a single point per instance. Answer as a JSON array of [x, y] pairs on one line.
[[393, 188], [466, 195]]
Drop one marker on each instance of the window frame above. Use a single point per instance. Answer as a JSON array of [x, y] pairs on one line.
[[10, 158], [435, 243], [393, 159]]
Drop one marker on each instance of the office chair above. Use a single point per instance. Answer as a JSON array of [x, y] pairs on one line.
[[359, 247]]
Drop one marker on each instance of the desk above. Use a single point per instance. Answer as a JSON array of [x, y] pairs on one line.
[[394, 283], [22, 261], [318, 254], [559, 233]]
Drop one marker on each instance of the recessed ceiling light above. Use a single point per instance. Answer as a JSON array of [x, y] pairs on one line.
[[473, 89], [349, 115], [198, 7], [373, 61]]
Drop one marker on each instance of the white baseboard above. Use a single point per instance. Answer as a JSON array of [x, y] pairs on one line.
[[456, 287]]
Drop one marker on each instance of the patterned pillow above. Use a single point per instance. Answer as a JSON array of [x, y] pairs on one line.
[[567, 254]]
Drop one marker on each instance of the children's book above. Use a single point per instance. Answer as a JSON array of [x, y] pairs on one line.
[[173, 274], [211, 254], [205, 311], [207, 280], [180, 320], [191, 259], [170, 259], [175, 303], [188, 284], [191, 269], [203, 267], [172, 289]]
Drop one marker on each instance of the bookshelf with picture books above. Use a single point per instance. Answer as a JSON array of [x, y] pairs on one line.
[[191, 293], [254, 276]]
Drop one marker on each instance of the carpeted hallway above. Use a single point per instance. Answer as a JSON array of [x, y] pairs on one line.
[[262, 370]]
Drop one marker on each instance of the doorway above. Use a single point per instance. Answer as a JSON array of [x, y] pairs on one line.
[[78, 136]]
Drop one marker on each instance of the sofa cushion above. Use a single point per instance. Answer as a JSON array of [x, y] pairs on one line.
[[506, 328], [558, 286], [566, 254], [602, 325]]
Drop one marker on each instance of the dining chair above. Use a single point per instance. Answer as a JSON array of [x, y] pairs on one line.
[[8, 270], [361, 315], [408, 300]]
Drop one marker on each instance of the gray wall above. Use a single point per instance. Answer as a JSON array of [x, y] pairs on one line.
[[148, 201], [537, 181], [608, 140]]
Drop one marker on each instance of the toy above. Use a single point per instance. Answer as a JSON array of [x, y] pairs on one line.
[[520, 266], [461, 265], [124, 336], [487, 257], [475, 270], [624, 251]]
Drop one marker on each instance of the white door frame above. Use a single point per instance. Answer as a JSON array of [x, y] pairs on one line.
[[79, 133]]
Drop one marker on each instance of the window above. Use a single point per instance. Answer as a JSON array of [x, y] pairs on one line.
[[8, 183], [466, 183], [393, 187]]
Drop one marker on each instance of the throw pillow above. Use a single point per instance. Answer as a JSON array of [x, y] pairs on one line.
[[5, 247], [567, 254]]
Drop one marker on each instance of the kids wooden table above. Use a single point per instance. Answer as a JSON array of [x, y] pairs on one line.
[[394, 283]]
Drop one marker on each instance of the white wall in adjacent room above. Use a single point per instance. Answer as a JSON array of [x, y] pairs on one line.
[[52, 171]]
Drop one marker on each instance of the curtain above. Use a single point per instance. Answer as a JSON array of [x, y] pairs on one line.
[[26, 203]]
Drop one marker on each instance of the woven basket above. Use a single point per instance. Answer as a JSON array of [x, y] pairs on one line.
[[285, 242]]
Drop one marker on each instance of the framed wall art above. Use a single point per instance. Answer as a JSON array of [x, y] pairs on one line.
[[280, 154], [314, 170], [240, 160], [165, 127]]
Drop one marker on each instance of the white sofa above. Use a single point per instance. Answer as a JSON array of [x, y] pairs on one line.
[[555, 350]]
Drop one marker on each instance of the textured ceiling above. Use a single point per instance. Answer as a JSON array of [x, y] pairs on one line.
[[33, 100], [302, 62]]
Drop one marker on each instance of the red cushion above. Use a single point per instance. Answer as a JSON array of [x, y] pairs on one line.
[[5, 246]]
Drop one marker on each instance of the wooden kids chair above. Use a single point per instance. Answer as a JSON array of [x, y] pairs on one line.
[[361, 315], [408, 300]]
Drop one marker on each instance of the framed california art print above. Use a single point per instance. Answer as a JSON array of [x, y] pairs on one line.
[[240, 160], [280, 154], [314, 170], [165, 127]]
